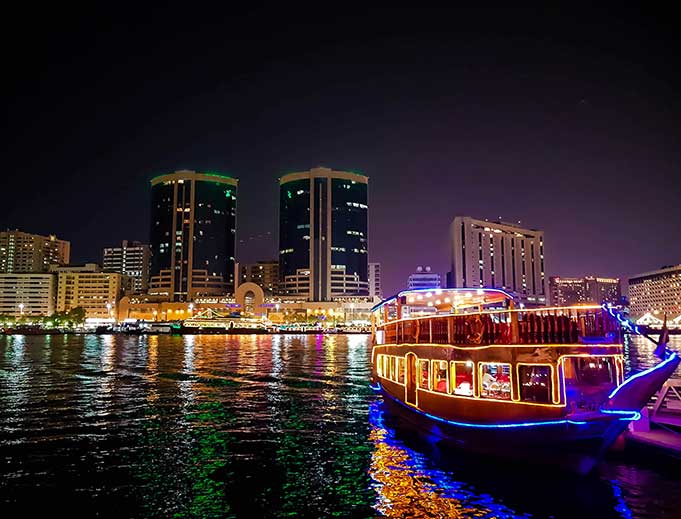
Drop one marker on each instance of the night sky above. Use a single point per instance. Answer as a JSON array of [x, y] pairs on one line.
[[569, 121]]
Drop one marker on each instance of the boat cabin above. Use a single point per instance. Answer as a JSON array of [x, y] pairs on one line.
[[475, 344]]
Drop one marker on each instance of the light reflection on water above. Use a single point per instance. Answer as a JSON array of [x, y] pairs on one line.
[[256, 426]]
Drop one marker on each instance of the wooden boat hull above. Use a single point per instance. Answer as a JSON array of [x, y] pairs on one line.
[[575, 446]]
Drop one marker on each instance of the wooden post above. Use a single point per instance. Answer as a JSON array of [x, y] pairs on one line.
[[449, 330], [515, 332]]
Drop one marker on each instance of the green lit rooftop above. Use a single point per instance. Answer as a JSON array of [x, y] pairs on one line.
[[204, 173]]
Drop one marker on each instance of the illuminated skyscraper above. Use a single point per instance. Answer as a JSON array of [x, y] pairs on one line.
[[193, 234], [323, 234], [498, 255]]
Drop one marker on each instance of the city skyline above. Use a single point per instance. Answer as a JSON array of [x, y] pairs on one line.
[[563, 127]]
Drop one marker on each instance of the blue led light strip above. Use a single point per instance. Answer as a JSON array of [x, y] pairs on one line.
[[662, 364], [624, 322], [628, 415], [485, 426]]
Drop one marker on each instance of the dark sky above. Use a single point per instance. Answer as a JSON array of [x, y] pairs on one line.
[[568, 120]]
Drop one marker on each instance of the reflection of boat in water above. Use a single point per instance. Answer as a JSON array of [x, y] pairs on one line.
[[414, 477], [544, 384]]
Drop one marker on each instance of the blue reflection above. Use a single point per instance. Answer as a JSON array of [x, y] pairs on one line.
[[621, 506], [413, 471], [436, 491]]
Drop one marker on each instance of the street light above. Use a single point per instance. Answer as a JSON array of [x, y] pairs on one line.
[[191, 307], [21, 308]]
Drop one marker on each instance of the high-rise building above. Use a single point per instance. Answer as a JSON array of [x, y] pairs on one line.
[[87, 287], [498, 255], [130, 259], [25, 252], [27, 294], [657, 292], [375, 280], [323, 234], [193, 234], [265, 274], [586, 290], [424, 278]]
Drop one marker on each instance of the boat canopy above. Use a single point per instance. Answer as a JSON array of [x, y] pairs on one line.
[[446, 299]]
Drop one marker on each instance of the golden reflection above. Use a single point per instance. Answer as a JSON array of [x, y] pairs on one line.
[[151, 373], [406, 491]]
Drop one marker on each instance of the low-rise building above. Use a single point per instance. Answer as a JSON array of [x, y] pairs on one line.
[[375, 280], [265, 274], [27, 294], [566, 291], [88, 287], [424, 278]]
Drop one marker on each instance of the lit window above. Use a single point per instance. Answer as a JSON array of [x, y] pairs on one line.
[[495, 381], [535, 383], [400, 369], [440, 376], [424, 379], [462, 378]]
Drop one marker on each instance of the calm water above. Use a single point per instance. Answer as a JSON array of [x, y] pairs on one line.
[[260, 426]]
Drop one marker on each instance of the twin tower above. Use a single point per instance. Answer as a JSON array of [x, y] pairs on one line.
[[323, 253]]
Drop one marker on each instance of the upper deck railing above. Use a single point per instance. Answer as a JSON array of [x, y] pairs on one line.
[[568, 325]]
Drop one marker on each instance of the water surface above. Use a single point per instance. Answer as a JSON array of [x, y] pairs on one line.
[[260, 426]]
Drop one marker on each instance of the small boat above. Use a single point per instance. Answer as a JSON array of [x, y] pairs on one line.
[[536, 384]]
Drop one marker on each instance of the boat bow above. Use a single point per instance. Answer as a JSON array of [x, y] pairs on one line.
[[636, 391]]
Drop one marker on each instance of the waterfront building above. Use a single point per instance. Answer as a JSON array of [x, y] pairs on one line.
[[323, 234], [88, 287], [193, 234], [265, 274], [131, 259], [26, 252], [27, 294], [657, 292], [585, 290], [375, 280], [498, 255], [250, 300], [424, 277]]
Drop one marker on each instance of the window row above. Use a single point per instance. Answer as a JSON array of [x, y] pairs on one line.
[[494, 379]]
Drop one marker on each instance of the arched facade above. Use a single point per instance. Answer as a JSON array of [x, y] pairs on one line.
[[250, 298]]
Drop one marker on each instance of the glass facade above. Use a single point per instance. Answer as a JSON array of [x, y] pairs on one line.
[[294, 227], [350, 227], [193, 231], [323, 234]]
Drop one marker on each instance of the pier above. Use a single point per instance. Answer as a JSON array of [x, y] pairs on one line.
[[660, 425]]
